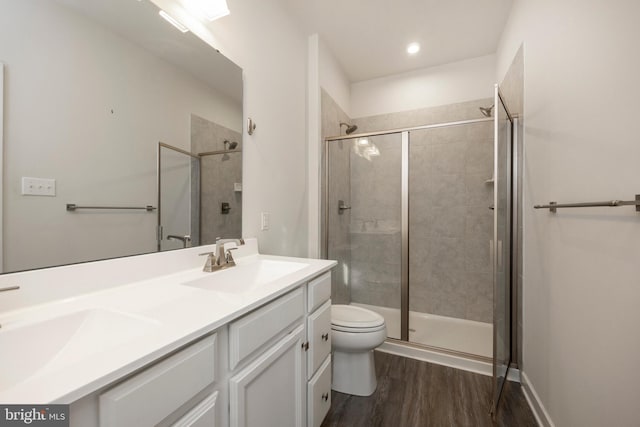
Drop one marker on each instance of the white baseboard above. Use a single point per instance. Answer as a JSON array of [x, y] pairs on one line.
[[538, 409]]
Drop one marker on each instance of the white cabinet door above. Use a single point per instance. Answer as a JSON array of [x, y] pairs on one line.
[[271, 391]]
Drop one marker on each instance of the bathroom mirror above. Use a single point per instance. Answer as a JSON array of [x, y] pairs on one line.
[[91, 90]]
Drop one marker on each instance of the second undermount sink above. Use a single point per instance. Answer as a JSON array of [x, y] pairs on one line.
[[246, 277], [32, 349]]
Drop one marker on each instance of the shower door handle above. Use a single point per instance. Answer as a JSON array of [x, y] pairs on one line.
[[342, 206], [492, 254]]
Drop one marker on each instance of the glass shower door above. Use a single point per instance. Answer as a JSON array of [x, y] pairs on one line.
[[178, 198], [501, 248], [363, 223], [450, 226]]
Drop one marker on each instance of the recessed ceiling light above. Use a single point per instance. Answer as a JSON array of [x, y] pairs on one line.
[[211, 9], [413, 48]]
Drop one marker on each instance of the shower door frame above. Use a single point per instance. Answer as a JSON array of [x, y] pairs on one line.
[[404, 274], [159, 228], [513, 199]]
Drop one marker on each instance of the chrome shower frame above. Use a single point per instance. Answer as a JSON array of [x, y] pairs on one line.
[[404, 279]]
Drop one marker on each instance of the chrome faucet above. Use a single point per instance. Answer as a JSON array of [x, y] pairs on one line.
[[9, 288], [184, 239], [223, 259]]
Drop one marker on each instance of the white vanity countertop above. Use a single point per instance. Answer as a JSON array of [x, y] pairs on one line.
[[169, 315]]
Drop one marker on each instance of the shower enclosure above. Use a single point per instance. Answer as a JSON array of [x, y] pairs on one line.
[[199, 196], [412, 215]]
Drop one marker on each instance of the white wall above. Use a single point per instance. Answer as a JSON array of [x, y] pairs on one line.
[[581, 284], [262, 38], [333, 78], [446, 84], [86, 107]]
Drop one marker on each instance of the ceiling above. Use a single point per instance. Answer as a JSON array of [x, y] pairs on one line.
[[139, 22], [369, 37]]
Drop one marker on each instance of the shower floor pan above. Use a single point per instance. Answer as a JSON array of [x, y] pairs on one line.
[[466, 336]]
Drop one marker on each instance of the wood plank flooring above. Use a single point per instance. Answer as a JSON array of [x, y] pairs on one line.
[[412, 393]]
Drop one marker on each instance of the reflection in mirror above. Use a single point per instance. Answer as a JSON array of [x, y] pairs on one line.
[[90, 89]]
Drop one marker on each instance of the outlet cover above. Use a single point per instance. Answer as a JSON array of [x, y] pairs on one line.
[[38, 186]]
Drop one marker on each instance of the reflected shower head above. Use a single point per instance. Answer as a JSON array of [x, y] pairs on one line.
[[350, 128], [231, 146], [487, 111]]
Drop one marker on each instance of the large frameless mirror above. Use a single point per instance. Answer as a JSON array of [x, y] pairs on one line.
[[91, 87]]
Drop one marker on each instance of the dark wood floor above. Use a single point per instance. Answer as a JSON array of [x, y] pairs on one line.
[[412, 393]]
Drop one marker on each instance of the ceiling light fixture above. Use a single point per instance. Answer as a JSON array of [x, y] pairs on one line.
[[170, 19], [413, 48], [211, 9]]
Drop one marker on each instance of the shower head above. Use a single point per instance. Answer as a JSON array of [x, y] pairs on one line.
[[350, 128], [487, 111], [231, 145]]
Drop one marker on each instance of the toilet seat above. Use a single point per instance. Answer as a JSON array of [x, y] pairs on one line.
[[357, 330], [350, 318]]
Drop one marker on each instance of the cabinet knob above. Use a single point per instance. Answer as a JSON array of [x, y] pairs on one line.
[[325, 396], [325, 337], [305, 346]]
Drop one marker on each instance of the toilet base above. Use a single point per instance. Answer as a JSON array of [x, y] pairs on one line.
[[354, 373]]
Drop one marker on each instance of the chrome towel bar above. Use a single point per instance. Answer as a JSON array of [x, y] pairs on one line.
[[553, 206], [72, 207]]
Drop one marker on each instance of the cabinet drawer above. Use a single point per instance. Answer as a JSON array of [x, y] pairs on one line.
[[319, 330], [252, 331], [319, 394], [319, 291], [202, 415], [150, 396]]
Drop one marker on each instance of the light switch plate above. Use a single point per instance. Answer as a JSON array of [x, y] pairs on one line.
[[264, 221], [38, 186]]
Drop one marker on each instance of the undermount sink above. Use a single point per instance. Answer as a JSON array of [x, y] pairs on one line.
[[46, 346], [246, 277]]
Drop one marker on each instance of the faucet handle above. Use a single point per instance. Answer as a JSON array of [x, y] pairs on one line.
[[228, 256], [207, 253]]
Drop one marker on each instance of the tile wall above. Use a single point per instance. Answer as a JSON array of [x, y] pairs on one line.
[[219, 173], [450, 220]]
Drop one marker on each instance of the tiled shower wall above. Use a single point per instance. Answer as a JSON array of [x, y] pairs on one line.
[[219, 174], [450, 220], [450, 223], [375, 223]]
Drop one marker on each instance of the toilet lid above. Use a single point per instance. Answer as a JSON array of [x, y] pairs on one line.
[[351, 316]]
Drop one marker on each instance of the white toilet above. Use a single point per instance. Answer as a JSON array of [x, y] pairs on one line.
[[355, 332]]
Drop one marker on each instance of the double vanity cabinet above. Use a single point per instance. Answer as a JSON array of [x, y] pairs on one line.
[[268, 367]]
